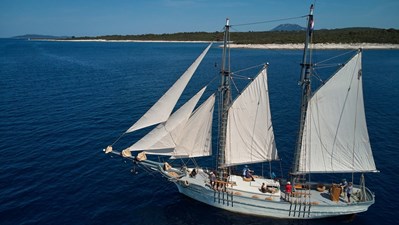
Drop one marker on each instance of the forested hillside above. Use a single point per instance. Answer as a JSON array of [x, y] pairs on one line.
[[346, 35]]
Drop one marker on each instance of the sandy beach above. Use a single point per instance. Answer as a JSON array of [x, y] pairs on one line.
[[318, 46], [263, 46]]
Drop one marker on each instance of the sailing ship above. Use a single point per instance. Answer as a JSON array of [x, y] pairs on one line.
[[332, 138]]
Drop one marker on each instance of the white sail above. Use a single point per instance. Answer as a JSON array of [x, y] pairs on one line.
[[250, 136], [162, 109], [164, 137], [335, 137], [196, 140]]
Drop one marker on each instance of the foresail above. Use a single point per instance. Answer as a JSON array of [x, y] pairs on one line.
[[335, 137], [250, 136], [196, 140], [164, 137], [162, 109]]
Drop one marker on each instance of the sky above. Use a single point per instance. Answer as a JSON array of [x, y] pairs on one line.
[[108, 17]]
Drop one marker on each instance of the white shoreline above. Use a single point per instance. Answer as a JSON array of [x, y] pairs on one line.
[[318, 46], [261, 46], [104, 40]]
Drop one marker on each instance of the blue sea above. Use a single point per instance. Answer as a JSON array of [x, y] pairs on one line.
[[61, 103]]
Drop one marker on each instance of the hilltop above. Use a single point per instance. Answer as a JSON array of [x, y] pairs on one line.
[[288, 27], [38, 36]]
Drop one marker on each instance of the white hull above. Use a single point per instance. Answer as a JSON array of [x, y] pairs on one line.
[[260, 207], [256, 204]]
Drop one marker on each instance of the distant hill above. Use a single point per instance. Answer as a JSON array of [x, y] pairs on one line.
[[39, 36], [288, 27]]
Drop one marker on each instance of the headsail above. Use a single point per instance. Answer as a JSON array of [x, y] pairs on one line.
[[191, 137], [250, 136], [165, 136], [335, 137], [162, 109], [196, 139]]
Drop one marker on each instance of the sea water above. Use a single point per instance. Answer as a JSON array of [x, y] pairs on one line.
[[61, 103]]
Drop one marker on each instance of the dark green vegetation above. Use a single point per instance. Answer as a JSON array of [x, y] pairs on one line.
[[345, 35]]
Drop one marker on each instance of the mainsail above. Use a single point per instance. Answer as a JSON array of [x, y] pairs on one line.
[[250, 137], [162, 109], [335, 137]]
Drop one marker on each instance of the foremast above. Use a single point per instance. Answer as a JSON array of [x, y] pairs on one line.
[[226, 99], [306, 70]]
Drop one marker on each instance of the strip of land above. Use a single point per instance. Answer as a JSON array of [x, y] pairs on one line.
[[262, 46], [318, 46]]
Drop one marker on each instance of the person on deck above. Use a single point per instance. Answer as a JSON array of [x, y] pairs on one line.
[[248, 174], [288, 189], [344, 186], [349, 190], [244, 171], [273, 176], [193, 173], [263, 189], [213, 179]]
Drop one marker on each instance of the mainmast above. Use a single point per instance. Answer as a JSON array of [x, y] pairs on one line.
[[225, 96], [306, 69]]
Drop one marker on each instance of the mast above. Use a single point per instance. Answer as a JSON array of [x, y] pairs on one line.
[[306, 68], [225, 96]]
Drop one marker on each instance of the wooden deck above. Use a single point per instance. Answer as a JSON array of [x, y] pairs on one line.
[[301, 195]]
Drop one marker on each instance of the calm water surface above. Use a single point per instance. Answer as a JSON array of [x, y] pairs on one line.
[[62, 103]]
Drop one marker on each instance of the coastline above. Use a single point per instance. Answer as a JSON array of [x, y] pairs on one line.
[[325, 46]]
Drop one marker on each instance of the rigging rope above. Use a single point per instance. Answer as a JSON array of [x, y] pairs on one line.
[[248, 68], [269, 21], [265, 47], [123, 134], [238, 76], [323, 66], [317, 76], [232, 81], [336, 56]]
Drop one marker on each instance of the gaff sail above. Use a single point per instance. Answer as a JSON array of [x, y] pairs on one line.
[[335, 137], [250, 136]]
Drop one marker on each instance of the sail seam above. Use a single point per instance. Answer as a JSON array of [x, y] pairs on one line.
[[357, 100]]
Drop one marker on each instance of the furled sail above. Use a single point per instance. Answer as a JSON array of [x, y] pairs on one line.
[[335, 137], [250, 137], [196, 139], [165, 136], [162, 109]]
